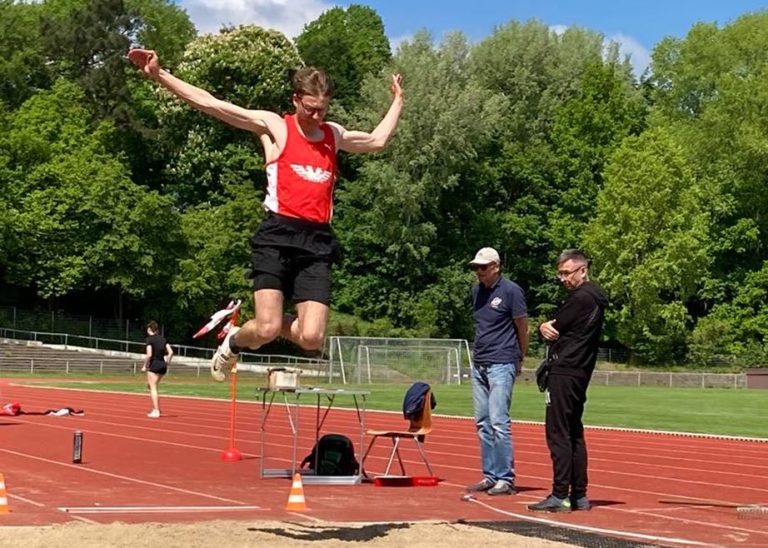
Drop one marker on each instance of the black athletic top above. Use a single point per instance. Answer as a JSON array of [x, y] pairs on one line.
[[579, 321], [157, 342]]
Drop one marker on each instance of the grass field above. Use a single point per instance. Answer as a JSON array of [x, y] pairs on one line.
[[733, 412]]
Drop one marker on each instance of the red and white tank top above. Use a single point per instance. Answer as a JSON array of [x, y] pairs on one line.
[[300, 182]]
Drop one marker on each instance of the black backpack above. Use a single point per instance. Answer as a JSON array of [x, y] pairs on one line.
[[334, 455]]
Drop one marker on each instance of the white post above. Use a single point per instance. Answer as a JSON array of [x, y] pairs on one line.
[[368, 362], [469, 356], [341, 362], [458, 366]]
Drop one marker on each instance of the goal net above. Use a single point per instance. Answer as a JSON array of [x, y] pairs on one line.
[[365, 360]]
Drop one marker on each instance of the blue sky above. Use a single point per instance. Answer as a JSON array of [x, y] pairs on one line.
[[636, 25]]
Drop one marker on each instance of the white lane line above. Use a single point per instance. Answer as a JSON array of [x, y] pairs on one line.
[[614, 532], [151, 509], [28, 501], [121, 477]]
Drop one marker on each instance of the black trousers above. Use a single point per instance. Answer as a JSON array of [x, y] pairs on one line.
[[565, 435]]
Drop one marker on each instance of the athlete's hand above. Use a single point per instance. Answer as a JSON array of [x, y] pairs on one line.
[[396, 87], [146, 60]]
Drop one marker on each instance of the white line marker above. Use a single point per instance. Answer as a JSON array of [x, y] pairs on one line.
[[118, 476], [151, 509], [613, 532]]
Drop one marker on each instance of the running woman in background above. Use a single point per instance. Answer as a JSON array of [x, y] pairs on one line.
[[156, 362]]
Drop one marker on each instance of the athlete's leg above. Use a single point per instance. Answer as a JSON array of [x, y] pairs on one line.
[[267, 325], [263, 328], [307, 328], [153, 379], [312, 294]]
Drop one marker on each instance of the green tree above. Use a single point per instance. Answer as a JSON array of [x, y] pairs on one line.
[[248, 66], [404, 216], [738, 329], [349, 44], [537, 69], [86, 41], [81, 222], [649, 242], [161, 25], [569, 107], [711, 88], [22, 56], [604, 110]]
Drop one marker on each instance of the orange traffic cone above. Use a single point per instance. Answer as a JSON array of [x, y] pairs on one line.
[[3, 497], [296, 500]]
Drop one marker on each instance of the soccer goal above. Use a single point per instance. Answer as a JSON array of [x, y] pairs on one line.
[[361, 360]]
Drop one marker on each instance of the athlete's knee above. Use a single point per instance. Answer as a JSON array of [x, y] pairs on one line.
[[268, 330], [312, 339]]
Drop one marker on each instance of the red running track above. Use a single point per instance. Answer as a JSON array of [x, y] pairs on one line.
[[645, 486]]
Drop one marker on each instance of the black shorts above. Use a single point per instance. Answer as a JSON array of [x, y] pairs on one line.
[[295, 257], [158, 367]]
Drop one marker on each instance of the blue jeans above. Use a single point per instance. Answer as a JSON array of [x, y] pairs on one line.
[[492, 397]]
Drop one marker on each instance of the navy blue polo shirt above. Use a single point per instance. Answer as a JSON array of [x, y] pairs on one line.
[[495, 308]]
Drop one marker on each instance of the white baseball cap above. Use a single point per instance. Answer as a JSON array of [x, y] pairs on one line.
[[486, 255]]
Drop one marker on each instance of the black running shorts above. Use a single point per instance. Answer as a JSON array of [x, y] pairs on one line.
[[295, 257], [158, 366]]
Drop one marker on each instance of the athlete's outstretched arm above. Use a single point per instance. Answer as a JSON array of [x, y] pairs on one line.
[[361, 141], [250, 120]]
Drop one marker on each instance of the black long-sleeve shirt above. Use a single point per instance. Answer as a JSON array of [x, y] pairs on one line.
[[579, 321]]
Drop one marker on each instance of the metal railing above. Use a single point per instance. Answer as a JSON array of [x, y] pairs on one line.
[[184, 355]]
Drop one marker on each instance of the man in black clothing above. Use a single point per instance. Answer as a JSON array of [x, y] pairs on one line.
[[573, 335]]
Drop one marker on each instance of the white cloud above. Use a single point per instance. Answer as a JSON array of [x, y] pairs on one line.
[[287, 16], [558, 29], [395, 42], [639, 56]]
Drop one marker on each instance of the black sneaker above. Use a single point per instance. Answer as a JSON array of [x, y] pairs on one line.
[[502, 488], [551, 504], [483, 485], [582, 504]]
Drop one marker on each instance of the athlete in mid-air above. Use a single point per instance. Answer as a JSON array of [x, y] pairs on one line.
[[294, 248]]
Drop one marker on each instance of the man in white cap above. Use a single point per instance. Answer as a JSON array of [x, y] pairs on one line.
[[501, 342]]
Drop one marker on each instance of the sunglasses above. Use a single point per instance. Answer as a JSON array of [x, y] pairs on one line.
[[481, 267]]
